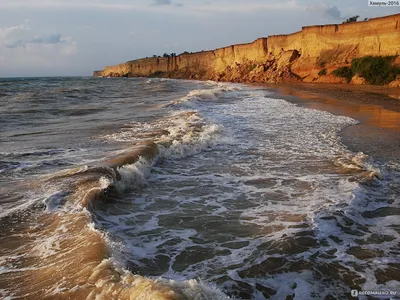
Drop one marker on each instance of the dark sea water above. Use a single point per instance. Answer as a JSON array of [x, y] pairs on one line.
[[172, 189]]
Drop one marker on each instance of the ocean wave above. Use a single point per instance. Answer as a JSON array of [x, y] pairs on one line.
[[280, 208], [89, 187], [66, 237], [180, 134], [360, 164], [216, 92]]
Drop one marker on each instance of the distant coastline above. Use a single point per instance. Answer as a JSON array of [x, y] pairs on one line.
[[366, 52]]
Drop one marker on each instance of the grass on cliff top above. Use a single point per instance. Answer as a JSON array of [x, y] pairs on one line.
[[377, 70]]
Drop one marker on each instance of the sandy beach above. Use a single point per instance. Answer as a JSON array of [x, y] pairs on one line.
[[376, 107]]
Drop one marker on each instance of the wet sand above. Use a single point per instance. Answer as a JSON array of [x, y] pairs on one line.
[[377, 109]]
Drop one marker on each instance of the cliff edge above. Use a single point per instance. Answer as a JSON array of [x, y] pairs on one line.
[[310, 55]]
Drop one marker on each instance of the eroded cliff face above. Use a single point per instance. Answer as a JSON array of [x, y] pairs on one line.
[[295, 57], [121, 70]]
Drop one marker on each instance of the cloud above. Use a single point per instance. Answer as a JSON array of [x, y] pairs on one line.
[[241, 7], [22, 37], [51, 39], [45, 40], [166, 3], [326, 10], [72, 4], [194, 7], [161, 2], [6, 32]]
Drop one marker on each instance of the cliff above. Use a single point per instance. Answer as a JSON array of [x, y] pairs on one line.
[[300, 56]]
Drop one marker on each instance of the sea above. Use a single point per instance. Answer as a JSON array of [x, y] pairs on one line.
[[138, 188]]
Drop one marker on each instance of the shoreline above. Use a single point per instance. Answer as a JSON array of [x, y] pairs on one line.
[[375, 107]]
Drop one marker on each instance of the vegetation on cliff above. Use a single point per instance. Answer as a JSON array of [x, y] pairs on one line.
[[377, 70], [344, 72], [351, 19]]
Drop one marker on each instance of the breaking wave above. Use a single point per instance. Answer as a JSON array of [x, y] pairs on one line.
[[224, 189], [68, 238]]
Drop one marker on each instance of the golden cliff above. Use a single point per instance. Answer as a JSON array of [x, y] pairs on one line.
[[295, 57]]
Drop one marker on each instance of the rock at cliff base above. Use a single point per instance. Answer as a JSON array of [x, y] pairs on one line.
[[395, 83], [287, 57], [324, 79], [396, 62], [358, 80]]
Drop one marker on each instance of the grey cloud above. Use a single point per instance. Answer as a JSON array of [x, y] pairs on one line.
[[14, 44], [161, 2], [53, 39], [47, 40], [166, 2], [334, 12], [327, 11]]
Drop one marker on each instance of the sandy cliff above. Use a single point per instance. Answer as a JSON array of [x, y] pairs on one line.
[[295, 57]]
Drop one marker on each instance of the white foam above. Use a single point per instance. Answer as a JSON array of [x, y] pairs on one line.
[[279, 164], [216, 91], [5, 270], [360, 161], [6, 295], [47, 195], [190, 144], [49, 245], [133, 175], [187, 133], [196, 290]]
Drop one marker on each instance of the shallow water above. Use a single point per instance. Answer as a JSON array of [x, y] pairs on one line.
[[167, 189]]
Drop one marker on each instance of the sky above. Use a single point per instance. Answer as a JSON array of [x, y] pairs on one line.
[[75, 37]]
